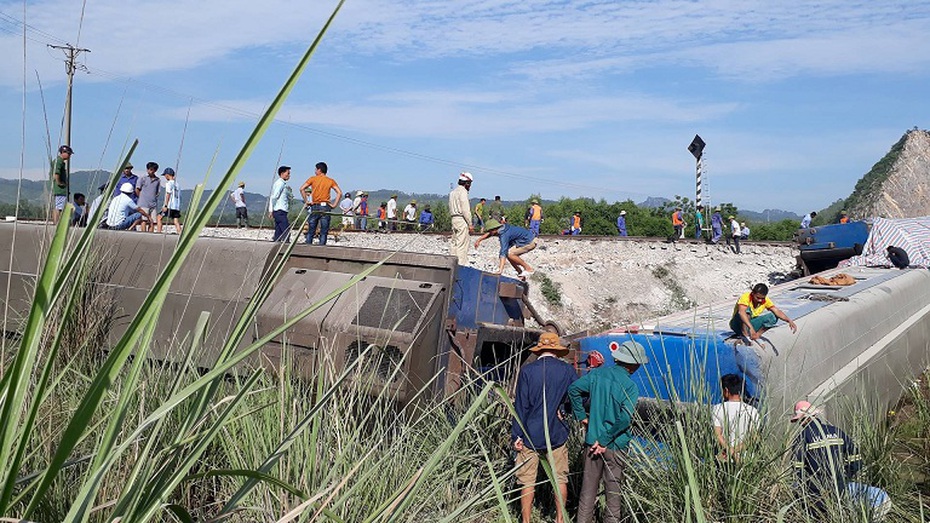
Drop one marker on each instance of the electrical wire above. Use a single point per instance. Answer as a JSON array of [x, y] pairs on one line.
[[341, 137]]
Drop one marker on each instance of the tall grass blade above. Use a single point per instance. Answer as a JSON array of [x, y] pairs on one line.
[[13, 437]]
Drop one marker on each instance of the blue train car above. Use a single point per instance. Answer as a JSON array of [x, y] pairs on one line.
[[871, 336], [824, 247]]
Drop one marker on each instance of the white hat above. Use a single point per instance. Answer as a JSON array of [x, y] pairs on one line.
[[622, 213], [465, 176], [127, 188]]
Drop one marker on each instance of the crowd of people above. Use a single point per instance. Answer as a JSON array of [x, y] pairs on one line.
[[603, 402], [133, 204]]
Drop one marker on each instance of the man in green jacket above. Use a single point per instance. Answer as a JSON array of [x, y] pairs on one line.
[[613, 398]]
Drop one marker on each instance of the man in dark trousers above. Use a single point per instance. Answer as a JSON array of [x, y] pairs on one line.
[[539, 431], [898, 257], [613, 396], [824, 459]]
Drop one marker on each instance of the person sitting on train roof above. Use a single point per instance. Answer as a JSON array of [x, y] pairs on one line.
[[806, 221], [898, 257], [514, 242], [755, 313]]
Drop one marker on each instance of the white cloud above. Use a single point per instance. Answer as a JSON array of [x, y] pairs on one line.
[[136, 37], [468, 115]]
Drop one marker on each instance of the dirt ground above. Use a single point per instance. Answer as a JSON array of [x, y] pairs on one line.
[[597, 284]]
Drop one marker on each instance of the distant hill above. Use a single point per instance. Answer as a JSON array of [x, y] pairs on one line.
[[768, 215], [654, 202], [898, 185]]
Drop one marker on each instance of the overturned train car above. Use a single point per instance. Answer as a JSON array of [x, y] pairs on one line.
[[867, 340], [424, 320]]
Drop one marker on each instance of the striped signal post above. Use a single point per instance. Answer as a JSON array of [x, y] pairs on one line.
[[696, 148]]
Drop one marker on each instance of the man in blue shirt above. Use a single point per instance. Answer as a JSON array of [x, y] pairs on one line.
[[621, 223], [279, 204], [127, 177], [539, 431], [613, 396], [514, 242], [426, 218]]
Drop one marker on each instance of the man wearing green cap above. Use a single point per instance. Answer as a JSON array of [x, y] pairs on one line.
[[514, 242], [613, 396]]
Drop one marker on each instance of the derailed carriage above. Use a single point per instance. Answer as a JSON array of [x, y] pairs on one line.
[[422, 320]]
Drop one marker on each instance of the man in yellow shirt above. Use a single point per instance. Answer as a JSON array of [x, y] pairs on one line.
[[321, 187], [755, 313]]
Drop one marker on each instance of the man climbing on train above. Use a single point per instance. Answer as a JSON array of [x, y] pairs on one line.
[[755, 313]]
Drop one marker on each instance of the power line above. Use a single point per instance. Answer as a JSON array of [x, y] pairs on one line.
[[328, 134], [363, 143]]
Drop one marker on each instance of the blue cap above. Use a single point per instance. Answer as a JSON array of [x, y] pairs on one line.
[[168, 170]]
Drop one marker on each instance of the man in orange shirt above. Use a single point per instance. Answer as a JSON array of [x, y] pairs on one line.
[[321, 187], [678, 223], [534, 217], [843, 217]]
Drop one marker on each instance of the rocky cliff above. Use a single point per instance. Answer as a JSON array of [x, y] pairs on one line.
[[898, 186]]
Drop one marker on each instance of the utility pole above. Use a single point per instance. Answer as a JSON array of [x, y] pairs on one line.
[[71, 65]]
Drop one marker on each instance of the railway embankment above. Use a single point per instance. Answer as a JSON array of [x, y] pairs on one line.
[[594, 283]]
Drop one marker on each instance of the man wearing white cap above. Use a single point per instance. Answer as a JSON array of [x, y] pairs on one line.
[[613, 396], [460, 211], [621, 223], [123, 212]]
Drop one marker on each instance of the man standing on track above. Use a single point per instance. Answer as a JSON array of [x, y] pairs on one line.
[[698, 221], [621, 224], [460, 212], [392, 213], [242, 211], [280, 203], [60, 181], [321, 187], [148, 188], [534, 217]]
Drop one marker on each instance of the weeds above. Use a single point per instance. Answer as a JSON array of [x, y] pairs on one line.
[[678, 298], [550, 290]]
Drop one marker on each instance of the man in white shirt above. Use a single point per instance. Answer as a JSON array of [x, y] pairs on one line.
[[242, 212], [392, 213], [460, 213], [348, 213], [735, 232], [808, 218], [410, 215], [124, 213], [356, 209], [734, 421]]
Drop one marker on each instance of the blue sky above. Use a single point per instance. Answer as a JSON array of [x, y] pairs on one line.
[[796, 100]]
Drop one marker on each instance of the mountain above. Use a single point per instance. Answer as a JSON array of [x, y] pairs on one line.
[[768, 215], [898, 185], [654, 202]]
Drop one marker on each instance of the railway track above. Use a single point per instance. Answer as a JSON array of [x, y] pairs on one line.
[[550, 237]]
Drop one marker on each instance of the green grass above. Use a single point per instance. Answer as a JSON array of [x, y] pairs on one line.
[[550, 290]]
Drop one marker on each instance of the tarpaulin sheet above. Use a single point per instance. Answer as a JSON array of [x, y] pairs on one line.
[[910, 234]]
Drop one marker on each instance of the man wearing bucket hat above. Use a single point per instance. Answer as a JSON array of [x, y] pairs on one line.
[[613, 396], [538, 431], [460, 214], [515, 241]]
